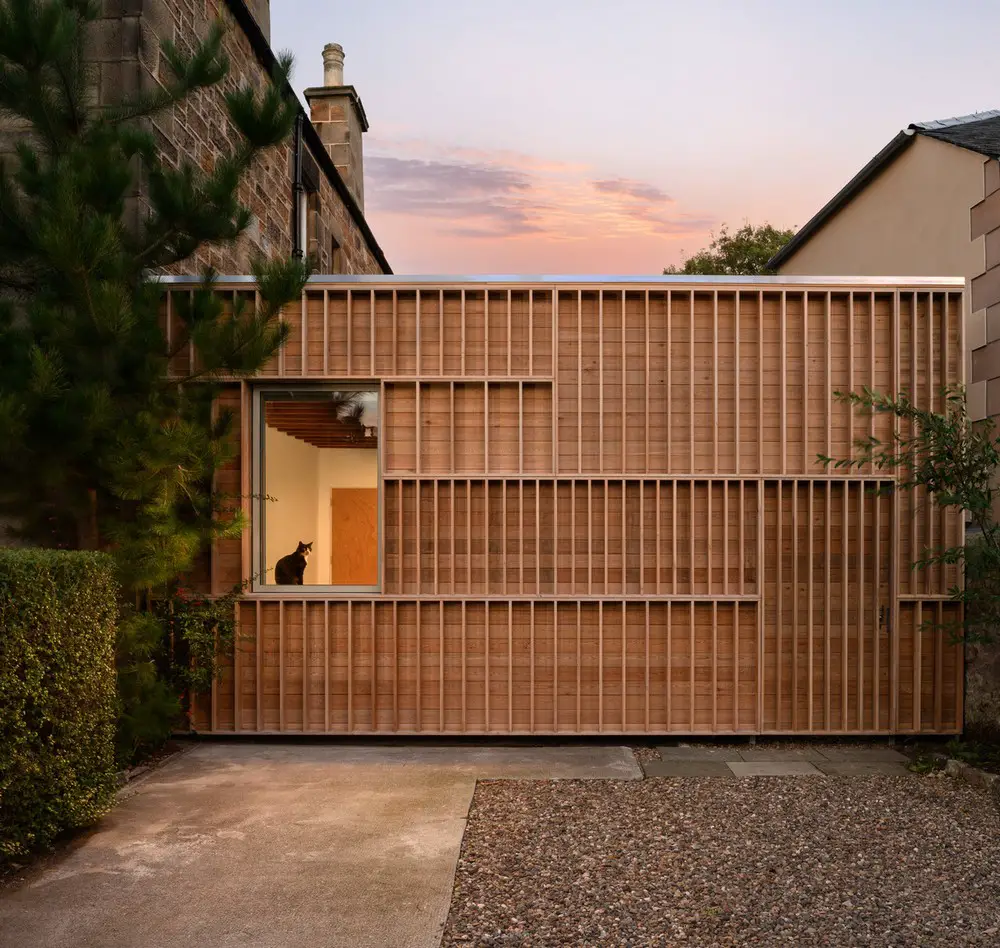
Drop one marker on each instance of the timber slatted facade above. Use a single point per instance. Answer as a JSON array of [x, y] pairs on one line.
[[601, 512]]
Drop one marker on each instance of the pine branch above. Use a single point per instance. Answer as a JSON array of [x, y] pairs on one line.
[[205, 67]]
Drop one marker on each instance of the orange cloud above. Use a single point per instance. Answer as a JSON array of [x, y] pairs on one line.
[[516, 205]]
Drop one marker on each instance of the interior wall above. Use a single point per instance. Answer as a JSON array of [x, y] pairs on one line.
[[338, 467], [291, 475]]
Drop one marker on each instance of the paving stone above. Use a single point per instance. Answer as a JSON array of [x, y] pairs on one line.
[[764, 768], [863, 768], [699, 752], [780, 753], [687, 768], [848, 753]]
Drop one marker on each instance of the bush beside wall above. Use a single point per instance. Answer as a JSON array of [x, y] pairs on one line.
[[58, 613]]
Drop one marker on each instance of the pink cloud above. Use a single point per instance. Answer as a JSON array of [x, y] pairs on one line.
[[467, 205]]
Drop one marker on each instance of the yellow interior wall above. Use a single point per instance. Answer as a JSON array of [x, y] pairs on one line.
[[291, 474], [339, 467], [301, 477]]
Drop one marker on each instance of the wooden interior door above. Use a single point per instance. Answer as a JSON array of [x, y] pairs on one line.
[[354, 560]]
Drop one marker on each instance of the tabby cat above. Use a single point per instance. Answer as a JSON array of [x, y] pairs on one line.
[[290, 570]]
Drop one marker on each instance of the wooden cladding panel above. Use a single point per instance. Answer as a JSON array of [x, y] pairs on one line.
[[603, 511], [687, 399], [567, 537], [832, 662], [468, 427], [650, 381], [483, 667], [930, 668], [926, 529], [367, 334]]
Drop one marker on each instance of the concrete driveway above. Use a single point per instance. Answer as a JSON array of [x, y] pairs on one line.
[[290, 846]]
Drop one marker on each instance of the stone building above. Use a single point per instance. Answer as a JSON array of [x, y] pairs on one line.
[[983, 671], [307, 195]]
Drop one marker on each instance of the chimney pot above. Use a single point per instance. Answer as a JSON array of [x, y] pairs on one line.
[[333, 65]]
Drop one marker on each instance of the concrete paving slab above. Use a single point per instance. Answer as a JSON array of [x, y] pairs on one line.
[[267, 846], [761, 768], [793, 752], [849, 752], [699, 752], [495, 761], [687, 768], [863, 768]]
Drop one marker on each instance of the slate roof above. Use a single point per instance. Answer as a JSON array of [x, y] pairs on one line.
[[979, 132]]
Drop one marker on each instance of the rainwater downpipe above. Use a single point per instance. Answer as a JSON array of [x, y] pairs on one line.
[[298, 192]]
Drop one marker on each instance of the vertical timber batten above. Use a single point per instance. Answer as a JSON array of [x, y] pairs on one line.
[[623, 579]]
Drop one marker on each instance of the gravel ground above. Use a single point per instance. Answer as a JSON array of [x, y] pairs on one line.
[[644, 753], [761, 861]]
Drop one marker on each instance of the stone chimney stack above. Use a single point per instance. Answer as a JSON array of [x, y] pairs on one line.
[[333, 65], [336, 111]]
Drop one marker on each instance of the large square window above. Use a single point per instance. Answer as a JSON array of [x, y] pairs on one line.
[[317, 489]]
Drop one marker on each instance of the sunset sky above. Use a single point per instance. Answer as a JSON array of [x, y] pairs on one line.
[[577, 136]]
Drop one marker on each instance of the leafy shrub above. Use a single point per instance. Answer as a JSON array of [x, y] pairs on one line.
[[149, 706], [956, 460], [58, 614], [200, 629]]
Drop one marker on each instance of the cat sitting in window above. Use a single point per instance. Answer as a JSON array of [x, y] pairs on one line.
[[290, 570]]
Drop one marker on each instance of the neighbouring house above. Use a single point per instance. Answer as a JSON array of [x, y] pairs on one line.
[[983, 703], [906, 213], [306, 196]]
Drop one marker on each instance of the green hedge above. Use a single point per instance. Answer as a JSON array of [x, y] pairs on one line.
[[58, 613]]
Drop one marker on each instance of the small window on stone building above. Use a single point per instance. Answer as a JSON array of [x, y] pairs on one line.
[[312, 244], [337, 264], [303, 222]]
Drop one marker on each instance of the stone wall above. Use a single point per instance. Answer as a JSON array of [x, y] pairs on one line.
[[127, 57], [982, 675], [338, 116]]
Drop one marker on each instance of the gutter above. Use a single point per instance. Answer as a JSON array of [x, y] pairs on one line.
[[266, 57], [844, 196], [298, 189]]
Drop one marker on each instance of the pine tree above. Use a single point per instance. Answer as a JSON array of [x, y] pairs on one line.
[[101, 449]]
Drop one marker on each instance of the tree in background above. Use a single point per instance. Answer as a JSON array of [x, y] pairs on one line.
[[742, 253], [102, 449]]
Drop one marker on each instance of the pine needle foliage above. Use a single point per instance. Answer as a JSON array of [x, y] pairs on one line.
[[102, 447]]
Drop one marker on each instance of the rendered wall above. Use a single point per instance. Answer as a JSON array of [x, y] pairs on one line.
[[292, 477], [912, 220]]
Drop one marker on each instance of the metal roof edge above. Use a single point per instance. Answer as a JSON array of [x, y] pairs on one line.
[[888, 282], [876, 166]]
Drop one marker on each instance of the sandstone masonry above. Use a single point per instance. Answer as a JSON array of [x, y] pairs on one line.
[[127, 59]]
